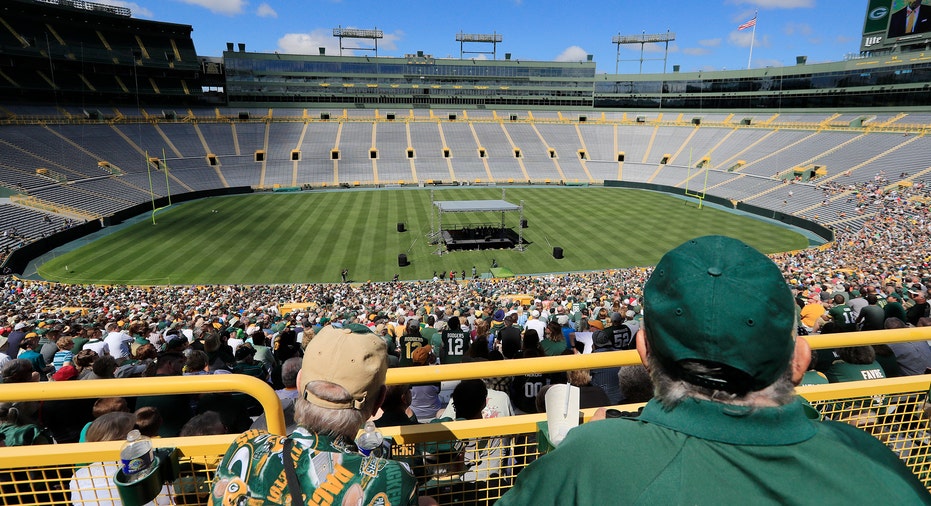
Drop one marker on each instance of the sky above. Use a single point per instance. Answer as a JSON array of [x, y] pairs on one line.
[[706, 34]]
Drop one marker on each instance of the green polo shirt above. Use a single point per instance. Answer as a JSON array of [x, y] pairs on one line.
[[330, 471], [703, 452]]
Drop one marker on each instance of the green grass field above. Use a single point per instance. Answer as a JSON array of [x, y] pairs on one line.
[[311, 237]]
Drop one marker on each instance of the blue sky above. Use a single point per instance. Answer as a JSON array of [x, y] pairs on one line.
[[706, 31]]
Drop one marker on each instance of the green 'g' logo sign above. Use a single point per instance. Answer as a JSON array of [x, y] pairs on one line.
[[877, 17]]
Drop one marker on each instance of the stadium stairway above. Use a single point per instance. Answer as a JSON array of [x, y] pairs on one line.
[[582, 162], [727, 162]]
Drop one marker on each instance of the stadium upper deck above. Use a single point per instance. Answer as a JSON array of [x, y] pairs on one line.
[[118, 89], [60, 51], [78, 52]]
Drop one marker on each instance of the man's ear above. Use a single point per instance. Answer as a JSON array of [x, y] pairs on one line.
[[643, 347], [801, 359], [300, 385]]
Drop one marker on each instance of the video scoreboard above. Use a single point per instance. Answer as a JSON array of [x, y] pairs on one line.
[[896, 23]]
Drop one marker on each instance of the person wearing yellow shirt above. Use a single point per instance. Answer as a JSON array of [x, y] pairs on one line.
[[811, 312]]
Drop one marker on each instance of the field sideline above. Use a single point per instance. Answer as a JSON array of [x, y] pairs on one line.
[[310, 237]]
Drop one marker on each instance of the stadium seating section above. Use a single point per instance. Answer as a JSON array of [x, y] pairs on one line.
[[83, 169]]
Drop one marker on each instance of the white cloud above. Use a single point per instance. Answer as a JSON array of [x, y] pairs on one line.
[[696, 51], [266, 11], [573, 53], [137, 10], [390, 41], [307, 43], [710, 42], [227, 7]]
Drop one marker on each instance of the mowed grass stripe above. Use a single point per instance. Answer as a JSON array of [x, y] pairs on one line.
[[293, 252], [310, 238], [228, 248], [222, 247], [640, 228], [323, 239], [577, 229], [216, 249], [373, 229], [331, 221], [395, 242], [118, 257], [284, 238], [293, 242], [383, 238]]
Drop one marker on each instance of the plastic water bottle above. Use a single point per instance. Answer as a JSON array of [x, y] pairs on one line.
[[370, 441], [136, 456]]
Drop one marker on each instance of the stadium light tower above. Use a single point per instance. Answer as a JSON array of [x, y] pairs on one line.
[[486, 38], [643, 39], [355, 33]]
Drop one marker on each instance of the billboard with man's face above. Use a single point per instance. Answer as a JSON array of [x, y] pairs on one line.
[[891, 23]]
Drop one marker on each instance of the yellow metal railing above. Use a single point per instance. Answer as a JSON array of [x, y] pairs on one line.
[[427, 374], [132, 387], [42, 474], [457, 462]]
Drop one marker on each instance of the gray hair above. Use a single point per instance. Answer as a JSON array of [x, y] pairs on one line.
[[671, 391], [289, 371], [335, 422]]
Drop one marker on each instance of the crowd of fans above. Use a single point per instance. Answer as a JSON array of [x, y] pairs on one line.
[[872, 276]]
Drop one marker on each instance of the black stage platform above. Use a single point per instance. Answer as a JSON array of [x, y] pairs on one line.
[[480, 238]]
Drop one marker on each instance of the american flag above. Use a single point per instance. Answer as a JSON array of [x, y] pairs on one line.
[[748, 24]]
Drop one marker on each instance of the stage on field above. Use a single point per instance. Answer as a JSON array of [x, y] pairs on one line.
[[479, 233]]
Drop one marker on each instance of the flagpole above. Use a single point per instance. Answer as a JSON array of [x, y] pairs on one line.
[[752, 38]]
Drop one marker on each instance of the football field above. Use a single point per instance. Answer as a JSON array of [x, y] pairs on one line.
[[268, 238]]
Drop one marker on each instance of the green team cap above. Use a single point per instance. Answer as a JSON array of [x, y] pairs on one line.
[[716, 300]]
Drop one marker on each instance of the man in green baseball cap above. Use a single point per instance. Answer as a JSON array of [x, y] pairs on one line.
[[725, 426]]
